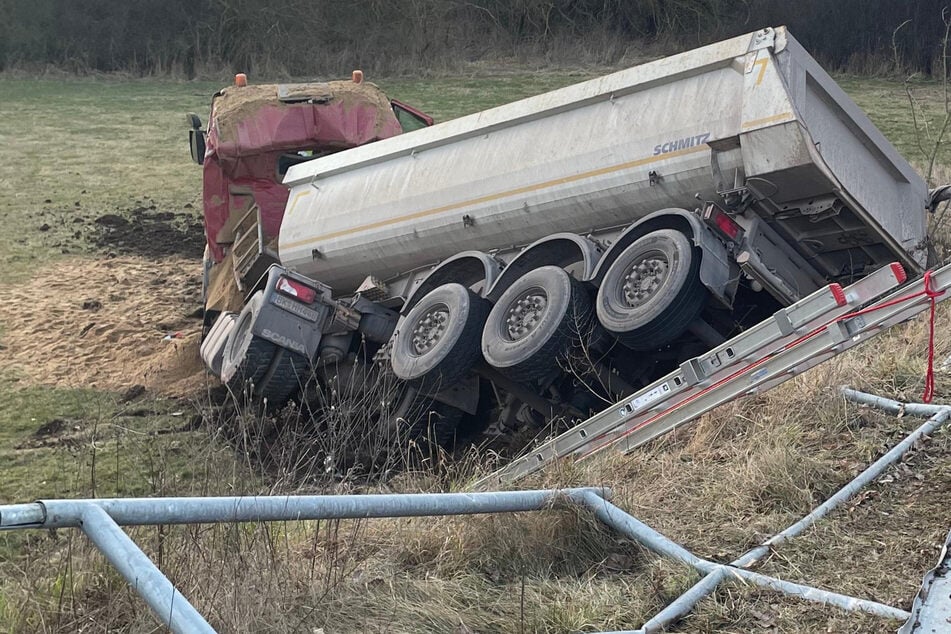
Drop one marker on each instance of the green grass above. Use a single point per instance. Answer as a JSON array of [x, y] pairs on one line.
[[887, 104], [88, 146], [451, 97], [101, 447]]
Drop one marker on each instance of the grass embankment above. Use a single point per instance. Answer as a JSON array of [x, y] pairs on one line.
[[89, 149]]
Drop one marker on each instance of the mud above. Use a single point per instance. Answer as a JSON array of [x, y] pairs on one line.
[[54, 433], [52, 428], [141, 230], [150, 233]]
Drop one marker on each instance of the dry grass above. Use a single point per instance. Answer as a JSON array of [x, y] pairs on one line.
[[719, 486]]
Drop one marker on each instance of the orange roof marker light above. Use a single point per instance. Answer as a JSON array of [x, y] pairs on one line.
[[240, 80], [357, 77]]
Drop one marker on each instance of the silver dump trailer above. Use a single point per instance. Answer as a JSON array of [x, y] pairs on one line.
[[560, 250], [753, 116]]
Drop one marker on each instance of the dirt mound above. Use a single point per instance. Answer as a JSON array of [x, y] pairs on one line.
[[150, 233], [108, 324], [51, 428], [53, 433], [142, 229]]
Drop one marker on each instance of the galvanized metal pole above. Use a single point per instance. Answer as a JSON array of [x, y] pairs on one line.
[[21, 515], [802, 591], [685, 603], [891, 406], [939, 416], [640, 532], [689, 599], [171, 607], [848, 491], [100, 520], [145, 511], [637, 530]]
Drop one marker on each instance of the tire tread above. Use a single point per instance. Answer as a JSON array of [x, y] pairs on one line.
[[288, 379], [558, 345]]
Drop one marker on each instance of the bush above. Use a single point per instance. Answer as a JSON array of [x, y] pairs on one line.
[[294, 37]]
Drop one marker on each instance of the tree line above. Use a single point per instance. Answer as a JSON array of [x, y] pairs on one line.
[[320, 37]]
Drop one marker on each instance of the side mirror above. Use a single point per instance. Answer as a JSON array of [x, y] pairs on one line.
[[196, 138], [196, 142]]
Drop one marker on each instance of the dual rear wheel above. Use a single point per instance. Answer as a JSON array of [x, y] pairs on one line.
[[535, 323], [647, 298], [451, 330], [258, 367], [438, 343]]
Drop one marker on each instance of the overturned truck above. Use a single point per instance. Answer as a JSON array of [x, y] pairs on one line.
[[531, 263]]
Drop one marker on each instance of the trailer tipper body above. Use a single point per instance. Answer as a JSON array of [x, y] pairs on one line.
[[534, 260], [753, 112]]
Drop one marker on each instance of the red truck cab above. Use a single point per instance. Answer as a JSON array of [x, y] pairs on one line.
[[254, 134]]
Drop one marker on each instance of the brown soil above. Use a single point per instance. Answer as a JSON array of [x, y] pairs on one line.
[[103, 324], [150, 233], [141, 230]]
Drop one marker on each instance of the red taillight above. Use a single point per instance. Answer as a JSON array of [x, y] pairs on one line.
[[293, 288], [899, 272], [727, 225], [723, 222]]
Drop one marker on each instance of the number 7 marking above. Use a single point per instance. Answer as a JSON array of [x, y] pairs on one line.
[[762, 63]]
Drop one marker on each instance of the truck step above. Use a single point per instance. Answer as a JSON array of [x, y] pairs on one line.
[[250, 255]]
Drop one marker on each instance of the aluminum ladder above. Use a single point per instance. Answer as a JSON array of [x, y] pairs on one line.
[[796, 338]]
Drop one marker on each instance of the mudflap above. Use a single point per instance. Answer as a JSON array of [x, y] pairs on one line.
[[213, 347]]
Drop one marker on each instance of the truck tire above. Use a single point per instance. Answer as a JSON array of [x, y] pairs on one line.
[[652, 291], [535, 323], [288, 374], [246, 358], [438, 342]]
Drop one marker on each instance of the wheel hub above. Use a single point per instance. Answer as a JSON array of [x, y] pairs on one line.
[[524, 314], [644, 278], [430, 328]]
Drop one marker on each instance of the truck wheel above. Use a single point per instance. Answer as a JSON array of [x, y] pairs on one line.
[[438, 342], [246, 357], [290, 374], [535, 322], [652, 291]]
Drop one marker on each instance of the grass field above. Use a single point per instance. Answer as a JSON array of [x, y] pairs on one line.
[[75, 153]]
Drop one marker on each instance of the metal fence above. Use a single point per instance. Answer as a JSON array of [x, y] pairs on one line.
[[101, 520]]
